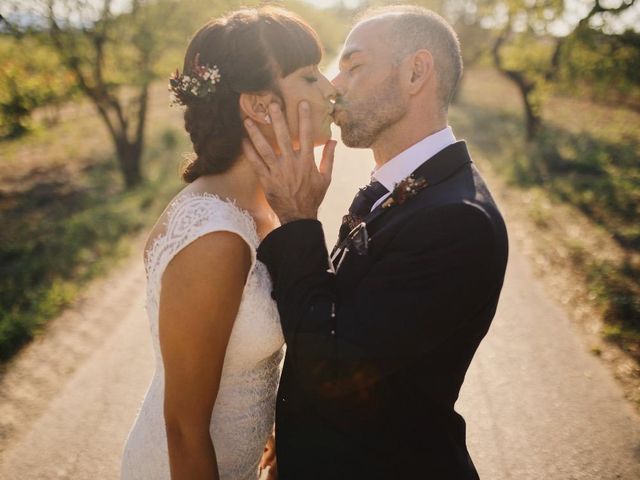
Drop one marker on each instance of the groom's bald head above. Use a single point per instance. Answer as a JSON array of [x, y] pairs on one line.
[[408, 28]]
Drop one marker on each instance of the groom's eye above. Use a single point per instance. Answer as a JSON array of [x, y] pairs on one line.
[[352, 69]]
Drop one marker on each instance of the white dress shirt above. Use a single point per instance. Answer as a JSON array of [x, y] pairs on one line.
[[403, 164]]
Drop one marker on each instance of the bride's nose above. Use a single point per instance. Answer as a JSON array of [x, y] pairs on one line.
[[328, 90]]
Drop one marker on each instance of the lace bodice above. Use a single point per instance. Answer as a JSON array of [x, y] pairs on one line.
[[243, 414]]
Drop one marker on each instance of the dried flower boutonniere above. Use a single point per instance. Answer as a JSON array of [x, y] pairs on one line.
[[404, 190], [358, 238]]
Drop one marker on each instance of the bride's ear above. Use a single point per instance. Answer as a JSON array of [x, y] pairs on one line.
[[256, 107]]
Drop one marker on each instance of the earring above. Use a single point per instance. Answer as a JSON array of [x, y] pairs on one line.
[[267, 119]]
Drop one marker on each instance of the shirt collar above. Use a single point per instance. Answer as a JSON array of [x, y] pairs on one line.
[[403, 164]]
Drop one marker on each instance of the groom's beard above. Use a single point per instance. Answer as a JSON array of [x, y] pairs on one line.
[[366, 120]]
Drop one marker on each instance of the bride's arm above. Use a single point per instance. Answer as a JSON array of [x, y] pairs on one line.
[[200, 296]]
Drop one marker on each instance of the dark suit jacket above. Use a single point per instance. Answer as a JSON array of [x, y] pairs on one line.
[[377, 353]]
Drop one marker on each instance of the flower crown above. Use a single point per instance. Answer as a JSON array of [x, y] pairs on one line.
[[199, 86]]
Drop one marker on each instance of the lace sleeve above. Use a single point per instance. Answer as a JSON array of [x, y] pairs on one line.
[[189, 218]]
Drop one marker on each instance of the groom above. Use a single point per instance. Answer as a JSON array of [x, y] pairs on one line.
[[379, 341]]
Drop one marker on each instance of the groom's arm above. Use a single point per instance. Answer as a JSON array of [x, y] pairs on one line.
[[432, 279]]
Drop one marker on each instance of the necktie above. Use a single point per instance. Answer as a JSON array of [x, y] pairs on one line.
[[361, 206]]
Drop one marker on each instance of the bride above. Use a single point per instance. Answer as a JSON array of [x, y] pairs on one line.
[[209, 410]]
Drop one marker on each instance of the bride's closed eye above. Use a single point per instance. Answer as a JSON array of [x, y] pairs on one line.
[[311, 79]]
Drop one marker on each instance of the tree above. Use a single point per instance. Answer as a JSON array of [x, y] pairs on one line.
[[29, 79], [111, 58], [528, 26], [602, 66], [84, 51]]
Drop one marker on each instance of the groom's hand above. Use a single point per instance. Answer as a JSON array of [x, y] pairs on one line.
[[293, 184]]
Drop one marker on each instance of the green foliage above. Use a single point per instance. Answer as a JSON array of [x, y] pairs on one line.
[[58, 236], [617, 290], [603, 67], [599, 177], [30, 77], [531, 55]]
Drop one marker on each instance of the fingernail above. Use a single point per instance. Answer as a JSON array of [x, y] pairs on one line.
[[304, 105]]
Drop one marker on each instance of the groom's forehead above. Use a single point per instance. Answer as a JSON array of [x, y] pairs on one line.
[[366, 36]]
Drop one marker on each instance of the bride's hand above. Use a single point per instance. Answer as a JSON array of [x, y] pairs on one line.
[[293, 184], [268, 463]]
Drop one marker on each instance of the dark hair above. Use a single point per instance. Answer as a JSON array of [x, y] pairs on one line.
[[251, 48]]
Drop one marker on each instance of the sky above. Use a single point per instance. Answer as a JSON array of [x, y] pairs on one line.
[[331, 3], [574, 9]]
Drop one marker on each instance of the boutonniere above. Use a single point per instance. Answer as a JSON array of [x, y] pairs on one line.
[[404, 190], [358, 238]]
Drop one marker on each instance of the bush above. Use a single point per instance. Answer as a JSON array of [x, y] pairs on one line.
[[28, 80]]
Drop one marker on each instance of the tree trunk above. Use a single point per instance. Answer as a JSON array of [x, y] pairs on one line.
[[129, 155], [533, 120], [116, 117]]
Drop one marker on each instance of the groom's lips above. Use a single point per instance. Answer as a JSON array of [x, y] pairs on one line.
[[336, 115]]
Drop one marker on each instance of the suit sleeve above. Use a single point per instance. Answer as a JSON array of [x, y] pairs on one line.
[[431, 279]]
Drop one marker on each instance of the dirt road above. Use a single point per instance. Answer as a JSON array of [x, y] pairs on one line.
[[537, 403]]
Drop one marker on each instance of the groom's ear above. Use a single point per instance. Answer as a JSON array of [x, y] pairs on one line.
[[256, 106], [420, 70]]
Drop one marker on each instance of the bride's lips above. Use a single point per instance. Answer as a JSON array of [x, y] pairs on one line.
[[330, 113]]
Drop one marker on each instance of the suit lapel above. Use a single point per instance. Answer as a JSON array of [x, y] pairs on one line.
[[435, 170]]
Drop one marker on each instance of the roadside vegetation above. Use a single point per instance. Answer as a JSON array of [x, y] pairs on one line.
[[579, 187], [66, 216]]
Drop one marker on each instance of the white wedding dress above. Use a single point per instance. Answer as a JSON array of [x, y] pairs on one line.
[[243, 414]]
